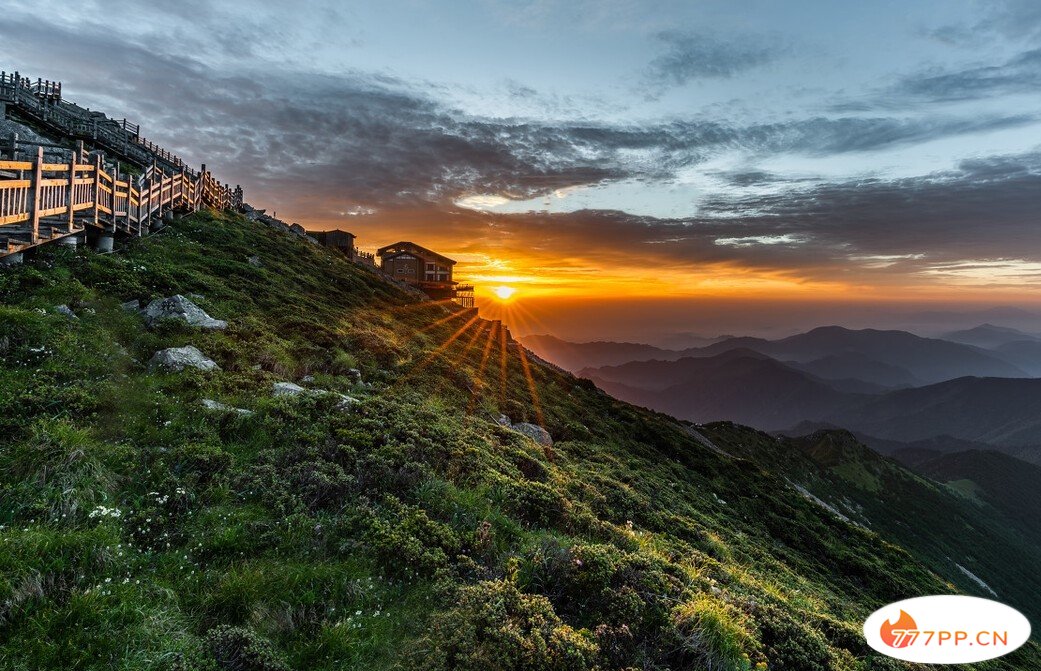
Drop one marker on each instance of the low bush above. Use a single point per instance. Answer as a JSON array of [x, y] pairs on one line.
[[495, 626]]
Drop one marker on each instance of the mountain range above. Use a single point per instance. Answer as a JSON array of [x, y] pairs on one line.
[[887, 358]]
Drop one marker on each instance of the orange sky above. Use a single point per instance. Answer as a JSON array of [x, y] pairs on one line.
[[569, 282]]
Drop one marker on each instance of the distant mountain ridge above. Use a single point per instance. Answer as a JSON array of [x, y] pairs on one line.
[[738, 385], [887, 358], [989, 336]]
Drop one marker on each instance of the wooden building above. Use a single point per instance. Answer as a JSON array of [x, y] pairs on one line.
[[426, 269], [337, 239]]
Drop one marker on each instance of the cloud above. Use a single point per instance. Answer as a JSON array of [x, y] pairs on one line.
[[389, 152], [1020, 74], [692, 56]]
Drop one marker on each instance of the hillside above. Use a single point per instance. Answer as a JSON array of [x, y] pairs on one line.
[[1003, 481], [997, 411], [857, 366], [946, 527], [381, 516]]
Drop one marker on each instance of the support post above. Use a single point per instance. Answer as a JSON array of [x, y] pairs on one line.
[[97, 187], [14, 147], [70, 197], [37, 187], [115, 182]]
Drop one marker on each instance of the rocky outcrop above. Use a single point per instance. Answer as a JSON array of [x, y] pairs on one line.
[[179, 358], [180, 308], [263, 217], [66, 310], [535, 432]]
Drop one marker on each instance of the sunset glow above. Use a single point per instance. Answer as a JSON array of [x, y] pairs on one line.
[[504, 293]]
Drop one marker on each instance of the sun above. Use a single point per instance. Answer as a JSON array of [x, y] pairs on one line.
[[503, 293]]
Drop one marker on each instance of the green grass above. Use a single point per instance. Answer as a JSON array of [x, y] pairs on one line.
[[141, 531]]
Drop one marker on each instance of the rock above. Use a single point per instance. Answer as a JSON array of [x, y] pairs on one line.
[[354, 375], [291, 389], [179, 307], [345, 401], [503, 420], [254, 261], [210, 404], [307, 379], [256, 366], [65, 310], [131, 306], [535, 432], [179, 358], [288, 389]]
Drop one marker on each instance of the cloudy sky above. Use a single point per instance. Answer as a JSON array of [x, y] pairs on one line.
[[678, 160]]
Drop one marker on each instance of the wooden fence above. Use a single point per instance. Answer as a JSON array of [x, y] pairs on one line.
[[42, 201]]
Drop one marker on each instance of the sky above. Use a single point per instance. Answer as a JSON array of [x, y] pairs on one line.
[[631, 169]]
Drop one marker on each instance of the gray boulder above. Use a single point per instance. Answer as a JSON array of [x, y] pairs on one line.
[[354, 375], [210, 404], [503, 420], [131, 306], [65, 310], [180, 308], [179, 358], [254, 261], [287, 389], [535, 432], [291, 389]]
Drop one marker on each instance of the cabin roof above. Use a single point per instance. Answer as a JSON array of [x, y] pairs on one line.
[[335, 230], [410, 247]]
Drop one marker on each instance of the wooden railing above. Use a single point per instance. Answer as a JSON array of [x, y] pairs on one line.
[[42, 201]]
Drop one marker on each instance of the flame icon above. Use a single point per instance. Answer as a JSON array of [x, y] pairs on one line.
[[901, 633]]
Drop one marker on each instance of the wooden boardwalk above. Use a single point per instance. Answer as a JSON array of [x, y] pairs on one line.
[[41, 201]]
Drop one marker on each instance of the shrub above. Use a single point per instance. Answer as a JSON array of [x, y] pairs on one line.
[[200, 461], [537, 503], [238, 649], [596, 584], [405, 538], [495, 626], [712, 636], [789, 644]]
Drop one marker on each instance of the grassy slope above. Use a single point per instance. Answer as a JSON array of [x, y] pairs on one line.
[[942, 526], [410, 531]]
